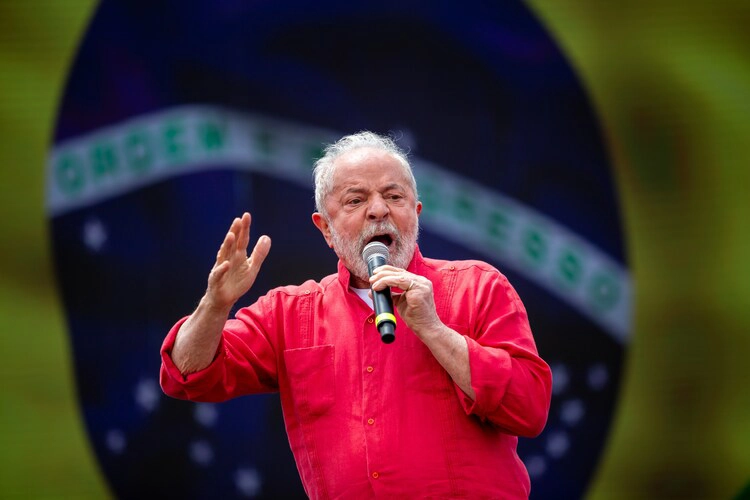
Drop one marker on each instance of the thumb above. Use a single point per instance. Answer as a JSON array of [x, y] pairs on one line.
[[218, 272], [260, 252]]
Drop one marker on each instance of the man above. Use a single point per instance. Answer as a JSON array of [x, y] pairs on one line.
[[436, 413]]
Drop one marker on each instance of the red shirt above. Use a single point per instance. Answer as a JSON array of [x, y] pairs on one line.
[[367, 419]]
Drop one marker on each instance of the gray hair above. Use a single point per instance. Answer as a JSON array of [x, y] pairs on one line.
[[324, 166]]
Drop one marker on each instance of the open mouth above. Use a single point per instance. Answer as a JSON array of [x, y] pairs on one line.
[[385, 239]]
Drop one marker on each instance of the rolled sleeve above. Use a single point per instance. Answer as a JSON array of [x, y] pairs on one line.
[[490, 374], [193, 386], [512, 392], [511, 383], [244, 362]]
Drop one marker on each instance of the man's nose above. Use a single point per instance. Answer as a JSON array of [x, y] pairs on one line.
[[377, 209]]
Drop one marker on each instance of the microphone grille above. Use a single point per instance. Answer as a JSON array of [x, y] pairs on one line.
[[375, 248]]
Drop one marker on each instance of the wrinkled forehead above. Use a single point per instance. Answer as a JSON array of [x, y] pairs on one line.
[[369, 166]]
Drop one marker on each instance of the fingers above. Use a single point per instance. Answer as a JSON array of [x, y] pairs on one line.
[[260, 252], [383, 277], [237, 238], [243, 238], [233, 272], [389, 276], [227, 247], [218, 272]]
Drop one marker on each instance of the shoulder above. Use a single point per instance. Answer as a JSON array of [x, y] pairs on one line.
[[462, 266], [475, 275], [309, 287]]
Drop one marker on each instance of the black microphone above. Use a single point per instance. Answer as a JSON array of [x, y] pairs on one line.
[[375, 255]]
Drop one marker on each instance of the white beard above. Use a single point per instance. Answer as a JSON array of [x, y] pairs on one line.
[[350, 252]]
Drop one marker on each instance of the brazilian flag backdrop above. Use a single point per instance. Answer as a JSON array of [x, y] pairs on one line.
[[618, 147]]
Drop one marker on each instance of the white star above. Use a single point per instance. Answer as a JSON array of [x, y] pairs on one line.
[[536, 466], [206, 414], [201, 452], [94, 235], [248, 482], [572, 411], [560, 379], [115, 440], [147, 394], [598, 376], [557, 444]]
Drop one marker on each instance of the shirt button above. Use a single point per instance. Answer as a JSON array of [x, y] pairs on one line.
[[307, 292], [375, 475], [370, 421], [370, 369], [370, 320]]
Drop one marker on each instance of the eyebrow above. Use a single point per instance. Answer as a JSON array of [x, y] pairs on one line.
[[360, 190], [394, 185], [357, 189]]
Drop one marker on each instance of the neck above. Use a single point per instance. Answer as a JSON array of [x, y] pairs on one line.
[[357, 282]]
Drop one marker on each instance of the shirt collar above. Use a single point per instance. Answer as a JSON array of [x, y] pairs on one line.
[[344, 274]]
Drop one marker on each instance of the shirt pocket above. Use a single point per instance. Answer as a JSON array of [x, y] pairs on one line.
[[312, 379]]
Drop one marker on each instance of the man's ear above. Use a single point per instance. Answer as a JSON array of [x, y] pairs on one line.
[[321, 222], [419, 208]]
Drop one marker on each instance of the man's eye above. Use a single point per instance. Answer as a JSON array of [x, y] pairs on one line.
[[354, 201]]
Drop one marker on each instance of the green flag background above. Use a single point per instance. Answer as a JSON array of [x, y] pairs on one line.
[[670, 81]]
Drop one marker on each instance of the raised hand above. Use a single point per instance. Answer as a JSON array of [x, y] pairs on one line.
[[234, 272], [232, 275]]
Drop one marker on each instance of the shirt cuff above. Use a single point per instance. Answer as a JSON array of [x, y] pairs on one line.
[[192, 385], [490, 375]]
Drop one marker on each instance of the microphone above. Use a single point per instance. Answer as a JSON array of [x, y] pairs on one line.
[[375, 255]]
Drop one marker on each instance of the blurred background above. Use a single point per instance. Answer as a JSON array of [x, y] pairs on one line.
[[595, 154]]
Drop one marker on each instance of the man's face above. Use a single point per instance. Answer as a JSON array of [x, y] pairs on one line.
[[371, 200]]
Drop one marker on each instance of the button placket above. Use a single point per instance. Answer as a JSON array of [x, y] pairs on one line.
[[371, 399]]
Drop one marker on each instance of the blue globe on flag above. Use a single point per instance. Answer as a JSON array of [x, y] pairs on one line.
[[176, 119]]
